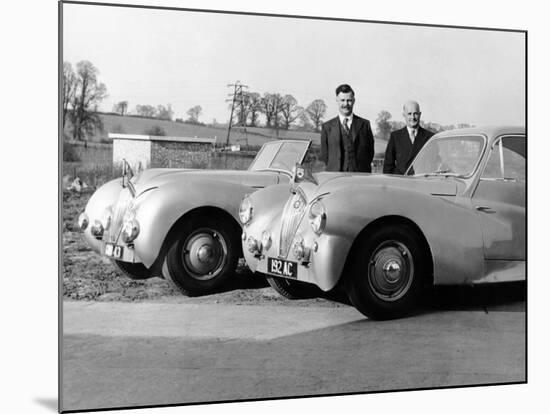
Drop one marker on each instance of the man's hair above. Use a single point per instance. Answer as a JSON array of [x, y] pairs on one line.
[[344, 88]]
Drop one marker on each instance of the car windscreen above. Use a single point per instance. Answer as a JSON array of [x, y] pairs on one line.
[[458, 155], [279, 155]]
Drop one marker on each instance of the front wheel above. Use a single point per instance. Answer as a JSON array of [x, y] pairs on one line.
[[387, 272], [203, 256]]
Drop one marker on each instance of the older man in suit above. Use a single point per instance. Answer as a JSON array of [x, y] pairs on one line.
[[406, 142], [347, 143]]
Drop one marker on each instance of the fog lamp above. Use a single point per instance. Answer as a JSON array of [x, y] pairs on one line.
[[266, 240], [299, 249], [97, 229], [83, 221], [252, 245]]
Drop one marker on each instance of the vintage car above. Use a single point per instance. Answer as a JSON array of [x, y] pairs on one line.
[[456, 217], [181, 224]]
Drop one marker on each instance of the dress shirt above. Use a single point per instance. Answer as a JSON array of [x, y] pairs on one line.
[[412, 133], [350, 119]]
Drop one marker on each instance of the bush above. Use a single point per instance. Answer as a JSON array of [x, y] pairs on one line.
[[155, 130], [69, 153]]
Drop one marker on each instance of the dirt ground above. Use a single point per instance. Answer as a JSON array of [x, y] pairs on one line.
[[89, 277]]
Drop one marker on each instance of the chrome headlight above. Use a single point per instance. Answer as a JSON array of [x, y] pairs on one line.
[[130, 227], [317, 216], [83, 221], [246, 210]]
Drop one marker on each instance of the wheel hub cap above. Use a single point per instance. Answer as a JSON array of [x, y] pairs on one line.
[[204, 254], [391, 270]]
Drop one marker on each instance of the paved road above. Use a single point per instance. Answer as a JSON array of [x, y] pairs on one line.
[[127, 354]]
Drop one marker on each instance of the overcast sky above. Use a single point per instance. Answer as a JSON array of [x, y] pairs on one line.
[[188, 58]]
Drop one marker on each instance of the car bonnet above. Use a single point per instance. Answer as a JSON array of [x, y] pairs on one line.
[[439, 186]]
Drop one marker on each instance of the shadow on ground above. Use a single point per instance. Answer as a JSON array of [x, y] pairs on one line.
[[503, 296], [510, 296]]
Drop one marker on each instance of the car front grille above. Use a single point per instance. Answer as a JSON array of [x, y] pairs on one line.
[[292, 216], [122, 204]]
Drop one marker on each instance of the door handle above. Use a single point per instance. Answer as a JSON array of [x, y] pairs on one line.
[[485, 209]]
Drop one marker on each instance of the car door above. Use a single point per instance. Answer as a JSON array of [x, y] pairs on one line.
[[500, 200]]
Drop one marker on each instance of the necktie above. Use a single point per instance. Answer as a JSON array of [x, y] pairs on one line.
[[346, 127], [413, 135]]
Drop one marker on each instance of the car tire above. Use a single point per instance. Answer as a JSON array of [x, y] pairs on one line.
[[292, 289], [387, 272], [135, 271], [203, 256]]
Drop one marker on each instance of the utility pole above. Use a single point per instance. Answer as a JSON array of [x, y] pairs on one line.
[[237, 97]]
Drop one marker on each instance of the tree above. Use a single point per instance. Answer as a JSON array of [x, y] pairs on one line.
[[194, 114], [146, 111], [165, 112], [383, 125], [305, 123], [121, 107], [246, 106], [316, 111], [271, 104], [254, 107], [69, 88], [290, 110], [89, 93]]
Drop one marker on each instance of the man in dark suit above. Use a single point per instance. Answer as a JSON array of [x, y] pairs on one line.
[[347, 143], [405, 143]]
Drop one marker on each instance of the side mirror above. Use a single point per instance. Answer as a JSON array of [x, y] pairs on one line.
[[301, 173]]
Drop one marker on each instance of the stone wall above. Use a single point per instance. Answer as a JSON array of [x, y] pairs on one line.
[[144, 151], [169, 154]]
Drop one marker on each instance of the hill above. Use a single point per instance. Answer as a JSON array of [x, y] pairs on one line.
[[252, 135]]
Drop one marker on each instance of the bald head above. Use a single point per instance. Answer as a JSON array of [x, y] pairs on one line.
[[411, 113]]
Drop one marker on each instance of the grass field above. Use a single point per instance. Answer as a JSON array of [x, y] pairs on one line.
[[252, 136], [139, 126]]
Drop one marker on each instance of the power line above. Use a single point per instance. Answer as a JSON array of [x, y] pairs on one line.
[[237, 98]]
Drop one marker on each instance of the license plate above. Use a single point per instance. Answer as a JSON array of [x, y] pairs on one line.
[[113, 250], [279, 267]]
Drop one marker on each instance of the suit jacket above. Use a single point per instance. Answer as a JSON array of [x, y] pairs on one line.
[[363, 142], [400, 151]]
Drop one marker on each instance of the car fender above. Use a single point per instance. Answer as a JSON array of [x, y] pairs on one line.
[[104, 197], [449, 225], [159, 211]]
